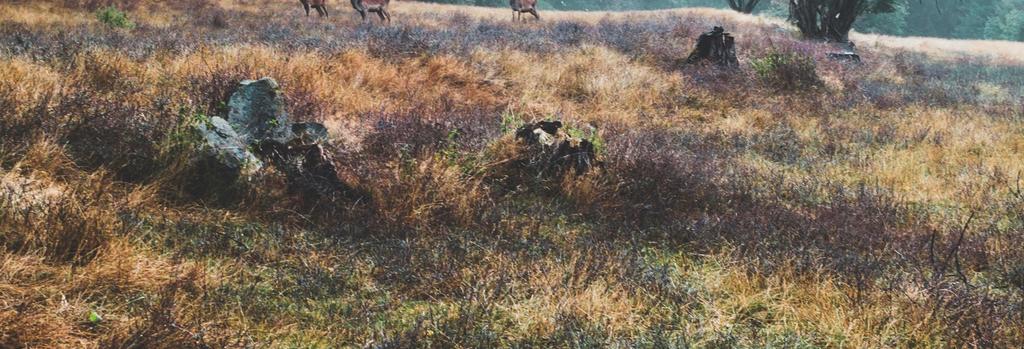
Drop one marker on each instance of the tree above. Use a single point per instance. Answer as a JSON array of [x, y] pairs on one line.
[[941, 18], [890, 23], [1008, 22], [743, 6], [832, 20], [971, 20]]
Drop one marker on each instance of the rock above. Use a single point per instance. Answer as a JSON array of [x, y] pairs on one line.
[[715, 46], [557, 150], [258, 132], [305, 162], [257, 112], [225, 147], [222, 164]]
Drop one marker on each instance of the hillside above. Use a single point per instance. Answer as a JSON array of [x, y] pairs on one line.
[[795, 201]]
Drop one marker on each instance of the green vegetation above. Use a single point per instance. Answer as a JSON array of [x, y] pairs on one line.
[[115, 18], [786, 71]]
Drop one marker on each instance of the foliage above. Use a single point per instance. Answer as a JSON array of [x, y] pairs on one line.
[[892, 23], [1008, 21], [114, 18], [832, 19], [786, 71]]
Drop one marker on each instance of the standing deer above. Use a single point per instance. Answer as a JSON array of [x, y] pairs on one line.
[[319, 5], [520, 6], [378, 6]]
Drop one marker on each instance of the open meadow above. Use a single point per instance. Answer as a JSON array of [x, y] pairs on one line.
[[794, 202]]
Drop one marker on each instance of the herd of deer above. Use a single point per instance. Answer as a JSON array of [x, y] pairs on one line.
[[380, 7]]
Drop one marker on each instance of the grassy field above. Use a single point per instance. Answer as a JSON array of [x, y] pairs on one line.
[[795, 202]]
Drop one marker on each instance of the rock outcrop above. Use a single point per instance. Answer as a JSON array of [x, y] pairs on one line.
[[258, 133], [221, 143], [257, 111]]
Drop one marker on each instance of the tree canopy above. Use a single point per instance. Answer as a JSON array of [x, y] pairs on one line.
[[832, 19]]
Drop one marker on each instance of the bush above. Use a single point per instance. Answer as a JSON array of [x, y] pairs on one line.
[[787, 71], [115, 18]]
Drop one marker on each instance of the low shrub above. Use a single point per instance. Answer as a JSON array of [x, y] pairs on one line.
[[115, 18], [787, 71]]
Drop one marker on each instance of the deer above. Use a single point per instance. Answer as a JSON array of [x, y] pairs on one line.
[[378, 6], [520, 6], [319, 5]]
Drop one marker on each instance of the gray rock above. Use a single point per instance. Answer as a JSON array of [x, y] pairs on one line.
[[225, 147], [257, 112], [256, 135]]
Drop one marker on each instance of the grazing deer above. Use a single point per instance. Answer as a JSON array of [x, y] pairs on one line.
[[520, 6], [319, 5], [378, 6]]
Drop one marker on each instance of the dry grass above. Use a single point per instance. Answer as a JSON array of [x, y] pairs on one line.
[[1006, 52], [731, 210]]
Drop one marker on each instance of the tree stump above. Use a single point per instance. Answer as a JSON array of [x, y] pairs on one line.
[[715, 46], [554, 151], [305, 162], [847, 53]]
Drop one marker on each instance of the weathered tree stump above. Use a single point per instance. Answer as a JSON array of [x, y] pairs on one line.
[[715, 46], [305, 162], [555, 152], [847, 53]]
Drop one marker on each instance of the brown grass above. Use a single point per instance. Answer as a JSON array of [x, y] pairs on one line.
[[728, 212]]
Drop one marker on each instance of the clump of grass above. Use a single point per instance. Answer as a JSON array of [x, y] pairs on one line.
[[64, 223], [115, 18], [787, 71]]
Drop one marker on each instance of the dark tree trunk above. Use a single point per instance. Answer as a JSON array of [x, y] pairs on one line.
[[838, 21], [744, 6], [715, 46], [804, 13], [829, 20]]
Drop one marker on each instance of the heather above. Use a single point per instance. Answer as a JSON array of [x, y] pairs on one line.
[[792, 202]]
